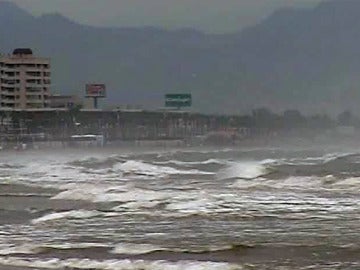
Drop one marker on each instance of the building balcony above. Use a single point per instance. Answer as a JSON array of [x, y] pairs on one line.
[[10, 85], [8, 101], [32, 94], [33, 77], [8, 106], [34, 101], [34, 85], [34, 91], [7, 93], [9, 80], [4, 96], [34, 69], [7, 76], [7, 69]]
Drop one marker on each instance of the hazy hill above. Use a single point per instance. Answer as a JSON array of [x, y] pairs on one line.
[[307, 59]]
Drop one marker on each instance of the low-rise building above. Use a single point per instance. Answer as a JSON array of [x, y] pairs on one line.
[[65, 101]]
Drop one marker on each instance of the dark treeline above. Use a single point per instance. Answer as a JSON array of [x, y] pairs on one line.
[[291, 119], [133, 125]]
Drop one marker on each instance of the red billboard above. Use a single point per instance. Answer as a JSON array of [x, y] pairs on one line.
[[95, 90]]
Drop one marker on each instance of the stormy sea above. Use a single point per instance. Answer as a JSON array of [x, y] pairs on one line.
[[196, 208]]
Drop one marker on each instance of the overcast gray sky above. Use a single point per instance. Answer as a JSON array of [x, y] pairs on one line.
[[207, 15]]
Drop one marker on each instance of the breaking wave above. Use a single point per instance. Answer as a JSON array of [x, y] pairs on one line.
[[192, 163], [116, 264], [305, 183], [244, 170], [121, 194], [137, 249], [32, 249], [97, 163], [119, 249], [73, 214], [133, 167]]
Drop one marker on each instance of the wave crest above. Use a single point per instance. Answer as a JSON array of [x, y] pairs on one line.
[[244, 170]]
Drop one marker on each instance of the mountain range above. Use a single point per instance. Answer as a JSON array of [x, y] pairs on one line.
[[306, 59]]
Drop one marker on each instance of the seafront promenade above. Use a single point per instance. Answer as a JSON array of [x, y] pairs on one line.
[[57, 128]]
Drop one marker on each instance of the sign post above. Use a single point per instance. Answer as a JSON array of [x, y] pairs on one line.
[[95, 91], [178, 100]]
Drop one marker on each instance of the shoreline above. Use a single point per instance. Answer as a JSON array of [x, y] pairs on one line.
[[196, 142], [296, 256]]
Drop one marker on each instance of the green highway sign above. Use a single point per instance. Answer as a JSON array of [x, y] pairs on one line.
[[178, 100]]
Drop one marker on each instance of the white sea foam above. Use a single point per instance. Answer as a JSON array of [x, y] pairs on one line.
[[249, 184], [192, 206], [65, 246], [77, 195], [90, 192], [313, 160], [75, 191], [304, 183], [137, 205], [270, 161], [23, 249], [298, 182], [74, 214], [130, 196], [140, 168], [352, 183], [52, 175], [243, 169], [134, 195], [334, 156], [35, 249], [293, 182], [88, 161], [192, 163], [193, 203], [135, 249], [116, 264]]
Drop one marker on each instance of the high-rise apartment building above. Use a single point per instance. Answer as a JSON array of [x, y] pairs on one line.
[[24, 80]]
